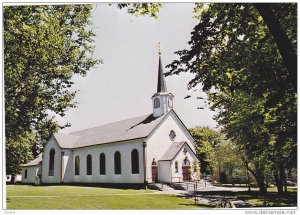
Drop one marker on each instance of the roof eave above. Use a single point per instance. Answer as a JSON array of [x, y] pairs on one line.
[[162, 93], [185, 143], [109, 142]]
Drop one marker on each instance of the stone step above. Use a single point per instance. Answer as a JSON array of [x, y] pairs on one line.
[[163, 187]]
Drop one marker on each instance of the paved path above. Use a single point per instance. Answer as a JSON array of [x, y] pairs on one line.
[[215, 188], [209, 188]]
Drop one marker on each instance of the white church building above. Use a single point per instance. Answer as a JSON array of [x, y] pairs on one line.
[[144, 149]]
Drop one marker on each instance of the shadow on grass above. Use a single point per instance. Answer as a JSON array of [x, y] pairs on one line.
[[97, 185], [272, 199], [198, 205]]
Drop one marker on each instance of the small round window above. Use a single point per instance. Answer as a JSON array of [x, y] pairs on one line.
[[172, 135]]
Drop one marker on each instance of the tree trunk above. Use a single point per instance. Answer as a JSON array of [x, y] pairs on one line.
[[282, 177], [13, 179], [285, 185], [279, 183], [261, 185], [286, 50], [260, 181]]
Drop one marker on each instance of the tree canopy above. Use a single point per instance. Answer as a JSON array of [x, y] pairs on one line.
[[214, 152], [142, 9], [18, 151], [44, 47], [206, 141], [244, 56]]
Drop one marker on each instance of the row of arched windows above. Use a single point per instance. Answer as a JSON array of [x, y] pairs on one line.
[[102, 163]]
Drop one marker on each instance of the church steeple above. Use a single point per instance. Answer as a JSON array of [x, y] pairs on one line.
[[161, 83], [162, 100]]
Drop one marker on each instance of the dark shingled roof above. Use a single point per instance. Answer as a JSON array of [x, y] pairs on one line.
[[134, 128], [35, 161], [161, 83]]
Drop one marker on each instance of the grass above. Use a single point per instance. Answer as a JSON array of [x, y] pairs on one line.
[[272, 199], [77, 197], [270, 189]]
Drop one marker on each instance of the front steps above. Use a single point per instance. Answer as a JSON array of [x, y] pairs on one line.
[[192, 185], [160, 187]]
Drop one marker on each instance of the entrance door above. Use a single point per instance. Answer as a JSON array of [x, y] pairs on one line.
[[186, 173], [186, 170], [154, 173]]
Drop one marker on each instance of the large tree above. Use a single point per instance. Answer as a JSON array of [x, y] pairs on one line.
[[44, 47], [18, 152], [230, 160], [206, 141], [242, 120], [236, 53]]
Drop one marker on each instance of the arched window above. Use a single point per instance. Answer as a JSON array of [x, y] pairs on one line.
[[102, 164], [89, 165], [135, 161], [51, 162], [156, 103], [77, 165], [186, 162], [176, 166], [117, 160], [25, 175]]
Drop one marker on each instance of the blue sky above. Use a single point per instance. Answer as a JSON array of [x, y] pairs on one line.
[[123, 85]]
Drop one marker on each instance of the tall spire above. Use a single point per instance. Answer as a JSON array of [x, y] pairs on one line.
[[162, 100], [161, 83]]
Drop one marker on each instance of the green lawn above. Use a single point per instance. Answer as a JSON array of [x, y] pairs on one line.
[[272, 199], [77, 197]]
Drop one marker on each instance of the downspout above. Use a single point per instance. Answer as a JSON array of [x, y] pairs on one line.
[[144, 161]]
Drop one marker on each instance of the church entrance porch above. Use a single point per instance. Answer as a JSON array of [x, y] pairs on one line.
[[177, 164]]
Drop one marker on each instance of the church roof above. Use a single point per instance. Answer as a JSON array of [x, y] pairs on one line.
[[134, 128], [161, 83], [66, 140], [35, 161], [173, 150]]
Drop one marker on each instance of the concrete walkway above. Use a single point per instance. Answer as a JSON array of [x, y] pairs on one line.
[[205, 200], [209, 188]]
